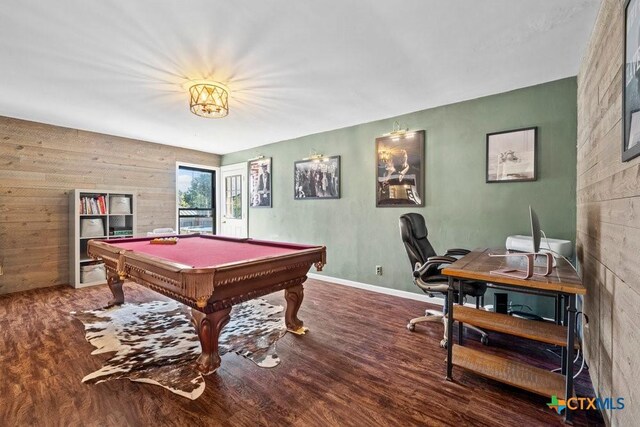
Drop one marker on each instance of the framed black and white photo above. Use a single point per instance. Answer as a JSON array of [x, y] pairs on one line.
[[634, 130], [400, 170], [511, 155], [630, 82], [317, 178], [260, 183]]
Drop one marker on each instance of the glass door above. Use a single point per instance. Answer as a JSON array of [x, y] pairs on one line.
[[196, 199], [234, 221]]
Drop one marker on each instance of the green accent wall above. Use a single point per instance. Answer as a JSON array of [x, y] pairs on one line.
[[461, 210]]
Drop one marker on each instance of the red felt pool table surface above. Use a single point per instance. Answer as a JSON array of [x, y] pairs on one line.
[[199, 251], [211, 274]]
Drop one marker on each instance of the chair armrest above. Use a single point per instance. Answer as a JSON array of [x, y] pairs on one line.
[[441, 259], [457, 251], [434, 260]]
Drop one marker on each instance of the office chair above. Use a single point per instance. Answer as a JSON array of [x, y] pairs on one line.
[[427, 275]]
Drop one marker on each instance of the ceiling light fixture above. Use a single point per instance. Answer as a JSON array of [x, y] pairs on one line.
[[210, 100]]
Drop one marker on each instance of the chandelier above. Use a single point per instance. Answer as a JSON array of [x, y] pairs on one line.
[[210, 100]]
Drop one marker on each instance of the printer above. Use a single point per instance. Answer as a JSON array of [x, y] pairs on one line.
[[525, 244]]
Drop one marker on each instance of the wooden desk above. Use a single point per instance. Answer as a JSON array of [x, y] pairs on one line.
[[563, 281]]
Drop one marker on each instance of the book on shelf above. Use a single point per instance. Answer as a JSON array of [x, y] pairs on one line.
[[93, 205], [117, 231], [103, 205]]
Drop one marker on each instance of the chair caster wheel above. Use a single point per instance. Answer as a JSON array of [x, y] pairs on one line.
[[484, 340], [443, 343], [411, 327]]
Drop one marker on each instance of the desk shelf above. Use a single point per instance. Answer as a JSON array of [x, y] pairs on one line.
[[517, 374], [546, 332]]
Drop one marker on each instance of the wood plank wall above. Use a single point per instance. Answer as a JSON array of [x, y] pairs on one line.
[[608, 220], [40, 164]]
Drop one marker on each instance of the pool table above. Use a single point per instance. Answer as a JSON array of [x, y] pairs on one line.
[[210, 274]]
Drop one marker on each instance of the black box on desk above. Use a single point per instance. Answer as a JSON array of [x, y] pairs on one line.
[[501, 303]]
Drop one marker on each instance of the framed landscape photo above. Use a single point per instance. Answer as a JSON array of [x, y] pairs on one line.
[[631, 86], [317, 178], [511, 155], [260, 183], [400, 170]]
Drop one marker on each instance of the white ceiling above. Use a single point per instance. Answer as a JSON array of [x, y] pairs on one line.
[[293, 67]]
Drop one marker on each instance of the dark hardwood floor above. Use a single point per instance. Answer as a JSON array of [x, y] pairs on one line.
[[358, 366]]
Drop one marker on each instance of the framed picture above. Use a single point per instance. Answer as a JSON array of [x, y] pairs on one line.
[[400, 170], [317, 178], [260, 183], [511, 155], [630, 83]]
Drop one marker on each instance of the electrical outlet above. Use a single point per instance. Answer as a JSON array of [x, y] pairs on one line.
[[379, 270]]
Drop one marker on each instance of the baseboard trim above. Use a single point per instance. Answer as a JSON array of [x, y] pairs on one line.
[[378, 289], [387, 291]]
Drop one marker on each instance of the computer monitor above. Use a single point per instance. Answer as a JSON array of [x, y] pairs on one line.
[[535, 230], [530, 255]]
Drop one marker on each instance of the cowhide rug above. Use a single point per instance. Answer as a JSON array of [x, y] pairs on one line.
[[156, 343]]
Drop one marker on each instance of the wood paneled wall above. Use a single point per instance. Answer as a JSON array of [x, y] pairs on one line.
[[40, 164], [608, 220]]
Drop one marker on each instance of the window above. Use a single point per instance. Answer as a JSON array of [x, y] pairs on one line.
[[196, 200], [233, 197]]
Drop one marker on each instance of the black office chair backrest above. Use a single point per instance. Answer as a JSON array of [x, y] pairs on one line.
[[413, 231]]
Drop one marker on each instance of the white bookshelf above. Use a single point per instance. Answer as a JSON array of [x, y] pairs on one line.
[[114, 226]]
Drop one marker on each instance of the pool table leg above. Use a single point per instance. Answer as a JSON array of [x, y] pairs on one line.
[[208, 327], [294, 296], [115, 284]]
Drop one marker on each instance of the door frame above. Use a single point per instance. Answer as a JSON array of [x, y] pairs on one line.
[[215, 169], [243, 166]]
